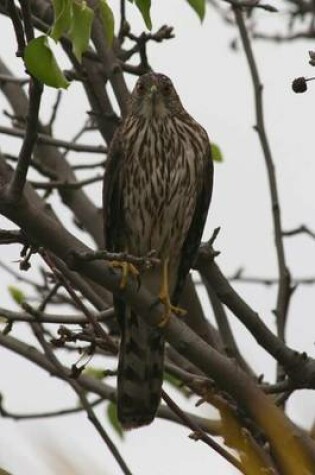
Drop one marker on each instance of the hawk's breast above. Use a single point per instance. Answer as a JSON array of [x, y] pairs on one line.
[[162, 171]]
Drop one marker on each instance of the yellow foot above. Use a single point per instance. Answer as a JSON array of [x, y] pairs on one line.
[[169, 309], [164, 297], [126, 269]]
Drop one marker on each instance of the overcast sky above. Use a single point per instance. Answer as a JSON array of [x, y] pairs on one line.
[[214, 85]]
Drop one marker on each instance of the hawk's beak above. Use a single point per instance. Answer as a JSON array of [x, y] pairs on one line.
[[153, 92]]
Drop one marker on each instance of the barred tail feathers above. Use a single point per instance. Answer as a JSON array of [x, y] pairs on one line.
[[140, 369]]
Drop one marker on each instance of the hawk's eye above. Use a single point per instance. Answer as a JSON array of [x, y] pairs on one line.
[[166, 89], [140, 88]]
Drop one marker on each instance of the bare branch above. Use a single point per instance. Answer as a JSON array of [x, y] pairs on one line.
[[284, 290], [300, 230], [199, 434], [12, 237], [111, 66], [50, 185], [17, 25], [230, 346], [44, 415], [27, 20], [55, 319], [252, 4], [54, 110], [15, 188], [99, 330], [38, 331], [47, 140]]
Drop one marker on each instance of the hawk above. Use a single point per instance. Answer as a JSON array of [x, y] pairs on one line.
[[157, 190]]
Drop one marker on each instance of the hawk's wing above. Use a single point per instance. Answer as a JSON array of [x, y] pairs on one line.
[[112, 196], [194, 235]]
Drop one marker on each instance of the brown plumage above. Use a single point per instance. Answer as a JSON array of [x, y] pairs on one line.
[[157, 191]]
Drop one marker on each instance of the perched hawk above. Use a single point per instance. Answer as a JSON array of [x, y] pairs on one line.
[[157, 191]]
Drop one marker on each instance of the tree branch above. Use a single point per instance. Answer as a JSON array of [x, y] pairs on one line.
[[16, 185], [11, 316], [284, 290], [47, 140], [300, 230], [199, 434], [38, 332]]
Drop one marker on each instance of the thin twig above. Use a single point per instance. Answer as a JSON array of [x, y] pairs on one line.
[[46, 139], [18, 27], [99, 330], [29, 316], [16, 185], [38, 331], [252, 4], [12, 237], [52, 292], [300, 230], [88, 166], [36, 164], [121, 33], [54, 110], [78, 135], [50, 185], [225, 330], [199, 434], [21, 278], [45, 415], [27, 19]]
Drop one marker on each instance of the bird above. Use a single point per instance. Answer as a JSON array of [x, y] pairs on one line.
[[156, 194]]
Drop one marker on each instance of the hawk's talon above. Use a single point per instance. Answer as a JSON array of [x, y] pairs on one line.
[[126, 269], [164, 297], [164, 320], [168, 310]]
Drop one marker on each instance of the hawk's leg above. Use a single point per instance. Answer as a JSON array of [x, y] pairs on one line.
[[164, 297], [126, 269]]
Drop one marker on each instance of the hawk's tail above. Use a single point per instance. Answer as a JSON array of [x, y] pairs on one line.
[[140, 369]]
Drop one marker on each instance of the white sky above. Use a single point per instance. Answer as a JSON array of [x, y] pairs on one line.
[[214, 85]]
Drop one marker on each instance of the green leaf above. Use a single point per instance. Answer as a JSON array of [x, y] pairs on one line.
[[41, 63], [169, 378], [4, 472], [113, 419], [199, 6], [62, 14], [96, 373], [108, 21], [144, 7], [176, 384], [17, 294], [216, 153], [80, 30]]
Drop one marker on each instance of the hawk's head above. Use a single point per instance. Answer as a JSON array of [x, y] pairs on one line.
[[155, 96]]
